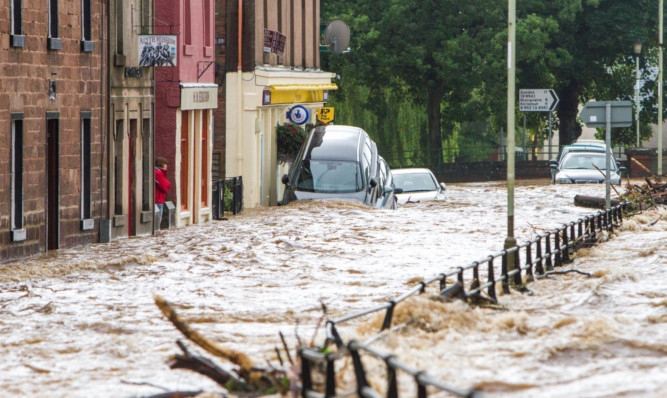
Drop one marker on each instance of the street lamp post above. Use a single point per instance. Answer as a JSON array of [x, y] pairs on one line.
[[660, 121], [510, 241], [638, 50]]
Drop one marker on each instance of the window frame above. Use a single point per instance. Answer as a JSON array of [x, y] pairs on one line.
[[87, 222], [17, 222], [53, 40], [87, 43], [16, 36]]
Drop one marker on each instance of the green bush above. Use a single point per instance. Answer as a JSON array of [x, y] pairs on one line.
[[290, 136]]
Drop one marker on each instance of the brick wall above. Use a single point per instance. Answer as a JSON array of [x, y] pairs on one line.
[[24, 88], [219, 114]]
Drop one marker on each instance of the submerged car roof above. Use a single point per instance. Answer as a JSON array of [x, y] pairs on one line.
[[335, 143], [410, 171]]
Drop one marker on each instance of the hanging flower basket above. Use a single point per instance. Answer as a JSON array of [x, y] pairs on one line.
[[290, 136]]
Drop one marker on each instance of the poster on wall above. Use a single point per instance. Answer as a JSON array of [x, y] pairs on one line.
[[274, 42], [157, 50]]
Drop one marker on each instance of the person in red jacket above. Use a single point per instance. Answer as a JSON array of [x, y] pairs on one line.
[[161, 183]]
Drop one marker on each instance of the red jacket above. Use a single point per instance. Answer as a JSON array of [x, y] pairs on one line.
[[161, 185]]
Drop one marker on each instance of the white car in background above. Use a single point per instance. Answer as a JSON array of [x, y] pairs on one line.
[[416, 185]]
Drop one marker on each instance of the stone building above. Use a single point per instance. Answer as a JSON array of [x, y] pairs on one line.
[[52, 153], [187, 95], [129, 108], [273, 65]]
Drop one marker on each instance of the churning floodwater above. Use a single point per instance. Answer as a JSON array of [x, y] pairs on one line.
[[82, 322]]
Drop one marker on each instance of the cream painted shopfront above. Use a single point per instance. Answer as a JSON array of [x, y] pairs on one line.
[[194, 146], [256, 102]]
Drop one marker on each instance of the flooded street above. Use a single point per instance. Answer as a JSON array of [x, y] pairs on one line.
[[82, 322]]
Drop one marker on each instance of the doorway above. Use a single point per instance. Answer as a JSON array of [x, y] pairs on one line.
[[53, 181]]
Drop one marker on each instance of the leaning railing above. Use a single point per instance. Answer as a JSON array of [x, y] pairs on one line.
[[537, 256], [227, 196]]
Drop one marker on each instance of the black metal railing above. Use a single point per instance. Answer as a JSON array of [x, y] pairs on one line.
[[227, 196], [538, 256]]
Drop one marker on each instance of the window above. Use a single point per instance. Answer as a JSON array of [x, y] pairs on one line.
[[17, 38], [118, 168], [185, 123], [188, 22], [207, 23], [87, 44], [86, 196], [147, 173], [18, 233], [53, 42], [204, 159]]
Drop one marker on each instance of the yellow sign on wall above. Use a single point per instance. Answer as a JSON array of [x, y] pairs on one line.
[[325, 114]]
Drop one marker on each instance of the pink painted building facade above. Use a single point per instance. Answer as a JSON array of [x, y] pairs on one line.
[[185, 97]]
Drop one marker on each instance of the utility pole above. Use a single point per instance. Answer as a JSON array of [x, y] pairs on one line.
[[511, 80], [660, 43]]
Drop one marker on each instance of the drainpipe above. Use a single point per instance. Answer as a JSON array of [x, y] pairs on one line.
[[102, 111], [239, 81]]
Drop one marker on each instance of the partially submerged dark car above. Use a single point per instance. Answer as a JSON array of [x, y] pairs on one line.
[[340, 162]]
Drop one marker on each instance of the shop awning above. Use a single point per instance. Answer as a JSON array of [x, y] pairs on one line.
[[303, 87], [297, 93]]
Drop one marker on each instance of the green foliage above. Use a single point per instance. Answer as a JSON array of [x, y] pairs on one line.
[[452, 54], [228, 199], [290, 136]]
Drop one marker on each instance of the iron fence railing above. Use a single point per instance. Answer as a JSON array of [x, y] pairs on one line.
[[476, 153], [227, 196], [540, 256]]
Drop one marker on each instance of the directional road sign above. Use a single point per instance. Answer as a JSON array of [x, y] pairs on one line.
[[594, 114], [537, 100]]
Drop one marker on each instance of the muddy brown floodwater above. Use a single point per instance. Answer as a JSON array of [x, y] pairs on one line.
[[81, 322]]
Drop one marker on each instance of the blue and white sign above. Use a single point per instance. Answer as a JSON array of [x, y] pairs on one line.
[[298, 114]]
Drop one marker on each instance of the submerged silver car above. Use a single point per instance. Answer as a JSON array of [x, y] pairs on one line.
[[416, 185], [340, 162], [585, 167]]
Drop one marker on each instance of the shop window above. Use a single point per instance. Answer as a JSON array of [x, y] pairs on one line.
[[86, 180], [17, 39], [17, 231], [204, 159], [87, 44], [53, 41], [118, 168], [185, 124], [148, 173]]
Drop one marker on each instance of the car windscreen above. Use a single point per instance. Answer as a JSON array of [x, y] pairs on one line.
[[586, 161], [414, 182], [329, 176]]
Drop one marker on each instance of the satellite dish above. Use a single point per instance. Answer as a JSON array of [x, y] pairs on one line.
[[337, 36]]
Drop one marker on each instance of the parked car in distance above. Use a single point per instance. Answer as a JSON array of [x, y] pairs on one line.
[[339, 162], [416, 185], [580, 167]]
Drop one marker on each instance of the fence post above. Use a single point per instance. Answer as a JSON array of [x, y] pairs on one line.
[[330, 390], [566, 244], [503, 273], [475, 278], [359, 372], [557, 248], [421, 388], [549, 264], [492, 280], [390, 313], [443, 282], [538, 255], [306, 381], [592, 227], [517, 267], [529, 261], [392, 385]]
